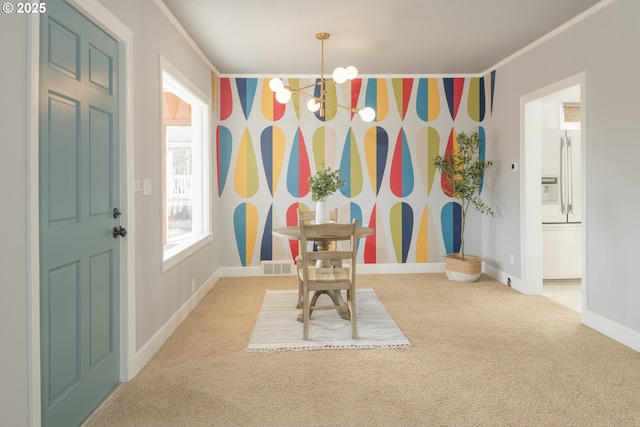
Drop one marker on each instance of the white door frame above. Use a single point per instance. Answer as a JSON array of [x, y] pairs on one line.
[[530, 189], [104, 19]]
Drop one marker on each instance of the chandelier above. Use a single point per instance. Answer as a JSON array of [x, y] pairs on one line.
[[317, 103]]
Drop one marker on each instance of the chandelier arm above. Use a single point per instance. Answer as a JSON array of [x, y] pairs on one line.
[[326, 101], [304, 93], [353, 110], [300, 90], [333, 84], [295, 90]]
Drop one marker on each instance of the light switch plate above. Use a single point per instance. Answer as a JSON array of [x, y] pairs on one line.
[[146, 186]]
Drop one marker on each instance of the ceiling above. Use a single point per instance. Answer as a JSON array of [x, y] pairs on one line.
[[379, 37]]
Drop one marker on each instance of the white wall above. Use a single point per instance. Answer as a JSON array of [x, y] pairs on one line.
[[13, 249], [605, 46], [158, 295]]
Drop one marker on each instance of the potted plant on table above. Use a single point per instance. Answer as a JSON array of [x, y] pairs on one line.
[[463, 171], [323, 184]]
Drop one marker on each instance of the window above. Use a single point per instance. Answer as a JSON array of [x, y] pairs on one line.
[[570, 115], [185, 139]]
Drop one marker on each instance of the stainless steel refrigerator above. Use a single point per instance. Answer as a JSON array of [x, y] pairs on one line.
[[561, 204]]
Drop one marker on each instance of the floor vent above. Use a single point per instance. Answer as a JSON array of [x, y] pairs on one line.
[[277, 268]]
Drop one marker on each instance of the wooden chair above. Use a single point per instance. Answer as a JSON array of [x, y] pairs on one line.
[[320, 275], [308, 217]]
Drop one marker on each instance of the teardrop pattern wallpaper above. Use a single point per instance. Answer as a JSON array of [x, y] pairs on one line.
[[266, 151]]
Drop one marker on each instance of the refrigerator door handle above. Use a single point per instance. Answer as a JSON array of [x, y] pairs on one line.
[[563, 159], [569, 176]]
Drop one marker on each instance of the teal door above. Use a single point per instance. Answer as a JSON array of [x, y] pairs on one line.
[[79, 190]]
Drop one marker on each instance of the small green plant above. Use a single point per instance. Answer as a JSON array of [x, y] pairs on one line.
[[324, 183], [463, 170]]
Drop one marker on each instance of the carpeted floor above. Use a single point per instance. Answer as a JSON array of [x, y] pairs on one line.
[[482, 355]]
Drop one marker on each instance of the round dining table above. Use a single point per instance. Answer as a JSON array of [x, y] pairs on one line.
[[292, 232]]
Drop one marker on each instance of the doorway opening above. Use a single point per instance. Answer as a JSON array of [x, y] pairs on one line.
[[553, 223]]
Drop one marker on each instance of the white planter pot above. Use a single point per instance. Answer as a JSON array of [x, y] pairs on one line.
[[468, 270], [322, 212]]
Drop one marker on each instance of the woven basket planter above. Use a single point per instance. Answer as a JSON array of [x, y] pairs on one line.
[[458, 270]]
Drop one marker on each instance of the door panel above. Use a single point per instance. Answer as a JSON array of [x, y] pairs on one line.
[[100, 164], [61, 307], [79, 188], [63, 48], [62, 160], [101, 307]]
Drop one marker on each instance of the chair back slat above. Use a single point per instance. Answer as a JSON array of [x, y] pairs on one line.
[[328, 231], [329, 255]]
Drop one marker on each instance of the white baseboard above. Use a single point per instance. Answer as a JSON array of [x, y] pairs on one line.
[[503, 277], [362, 269], [613, 330], [145, 354], [385, 268], [401, 268], [239, 271]]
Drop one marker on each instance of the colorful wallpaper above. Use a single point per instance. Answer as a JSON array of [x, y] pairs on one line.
[[265, 151]]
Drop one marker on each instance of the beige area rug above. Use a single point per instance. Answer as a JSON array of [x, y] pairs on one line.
[[277, 327]]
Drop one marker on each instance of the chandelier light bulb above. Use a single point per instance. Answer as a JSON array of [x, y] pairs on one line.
[[283, 95], [367, 114], [276, 84], [340, 75], [352, 72], [313, 105]]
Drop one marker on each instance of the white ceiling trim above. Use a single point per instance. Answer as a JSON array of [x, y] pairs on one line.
[[577, 19], [163, 8]]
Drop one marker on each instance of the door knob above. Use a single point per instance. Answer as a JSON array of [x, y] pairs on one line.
[[119, 231], [116, 212]]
